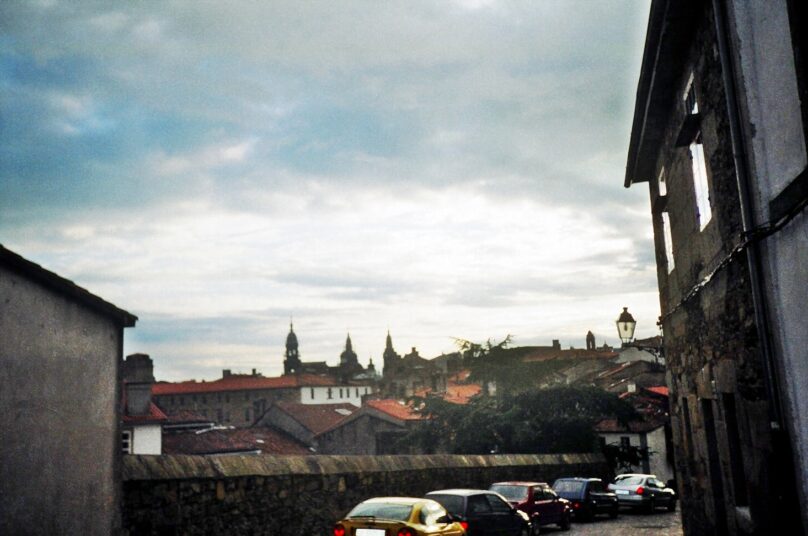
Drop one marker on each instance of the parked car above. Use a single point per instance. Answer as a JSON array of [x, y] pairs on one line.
[[538, 501], [398, 516], [643, 491], [588, 497], [483, 512]]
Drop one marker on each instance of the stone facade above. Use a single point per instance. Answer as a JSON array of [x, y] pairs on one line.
[[305, 495], [733, 455]]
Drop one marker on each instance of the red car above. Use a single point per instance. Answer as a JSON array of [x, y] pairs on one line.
[[538, 501]]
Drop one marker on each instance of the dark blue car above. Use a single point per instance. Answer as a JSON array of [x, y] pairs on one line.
[[588, 496]]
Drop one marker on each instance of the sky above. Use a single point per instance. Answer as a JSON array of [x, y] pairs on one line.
[[440, 169]]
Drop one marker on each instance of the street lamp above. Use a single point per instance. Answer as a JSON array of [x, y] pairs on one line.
[[625, 326]]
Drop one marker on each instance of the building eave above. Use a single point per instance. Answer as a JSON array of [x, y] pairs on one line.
[[671, 24], [65, 287]]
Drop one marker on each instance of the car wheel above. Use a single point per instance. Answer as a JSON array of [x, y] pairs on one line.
[[614, 512], [672, 505], [565, 523], [536, 529], [651, 508], [525, 531]]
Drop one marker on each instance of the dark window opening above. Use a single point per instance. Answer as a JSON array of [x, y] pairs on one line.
[[735, 451]]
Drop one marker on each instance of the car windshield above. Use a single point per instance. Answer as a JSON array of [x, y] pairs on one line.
[[379, 510], [511, 492], [568, 486]]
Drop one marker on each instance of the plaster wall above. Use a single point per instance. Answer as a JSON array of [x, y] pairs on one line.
[[147, 439], [58, 383], [320, 395], [777, 139]]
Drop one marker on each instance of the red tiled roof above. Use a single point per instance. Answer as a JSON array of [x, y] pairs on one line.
[[394, 408], [155, 416], [660, 390], [317, 417], [456, 393], [241, 383], [267, 440], [637, 427]]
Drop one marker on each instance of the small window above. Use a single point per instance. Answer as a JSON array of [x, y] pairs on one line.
[[312, 393], [704, 212], [625, 442], [667, 236], [662, 185], [357, 392], [498, 505], [330, 393], [478, 505], [126, 442], [340, 393], [247, 415]]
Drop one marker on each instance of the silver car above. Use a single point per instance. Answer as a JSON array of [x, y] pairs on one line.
[[643, 491]]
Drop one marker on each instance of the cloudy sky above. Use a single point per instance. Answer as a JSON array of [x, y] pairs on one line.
[[439, 168]]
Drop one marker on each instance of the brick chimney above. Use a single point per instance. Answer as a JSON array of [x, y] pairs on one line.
[[138, 377]]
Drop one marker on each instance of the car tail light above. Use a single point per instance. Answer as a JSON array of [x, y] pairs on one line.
[[405, 532], [576, 505], [464, 524], [339, 530], [640, 490]]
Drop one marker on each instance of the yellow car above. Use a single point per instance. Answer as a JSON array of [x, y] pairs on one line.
[[398, 516]]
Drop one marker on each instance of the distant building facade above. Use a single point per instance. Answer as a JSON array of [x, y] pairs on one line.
[[719, 134], [240, 399], [61, 352], [405, 376], [142, 420]]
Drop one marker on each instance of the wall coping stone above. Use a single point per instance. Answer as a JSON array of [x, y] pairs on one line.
[[182, 467]]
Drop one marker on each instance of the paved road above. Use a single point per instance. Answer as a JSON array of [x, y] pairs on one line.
[[660, 523]]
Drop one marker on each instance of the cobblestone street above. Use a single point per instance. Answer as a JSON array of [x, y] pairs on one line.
[[660, 523]]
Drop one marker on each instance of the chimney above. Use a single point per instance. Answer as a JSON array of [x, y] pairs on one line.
[[556, 344], [225, 373], [138, 377], [254, 373]]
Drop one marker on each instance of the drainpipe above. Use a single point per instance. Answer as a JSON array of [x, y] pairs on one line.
[[784, 485]]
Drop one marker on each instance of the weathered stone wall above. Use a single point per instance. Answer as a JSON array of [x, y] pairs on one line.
[[305, 495]]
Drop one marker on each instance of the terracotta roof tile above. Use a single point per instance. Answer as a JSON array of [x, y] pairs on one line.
[[241, 383], [317, 417], [660, 390], [394, 408], [217, 441], [155, 416]]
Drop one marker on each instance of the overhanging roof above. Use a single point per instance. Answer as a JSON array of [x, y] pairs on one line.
[[63, 286], [671, 25]]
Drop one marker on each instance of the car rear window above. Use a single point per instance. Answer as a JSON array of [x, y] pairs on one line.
[[391, 511], [629, 481], [568, 486], [511, 492], [452, 503]]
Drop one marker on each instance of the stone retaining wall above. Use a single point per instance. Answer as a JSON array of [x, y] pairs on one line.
[[305, 495]]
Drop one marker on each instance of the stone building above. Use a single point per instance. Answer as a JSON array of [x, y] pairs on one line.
[[60, 355], [719, 135], [405, 376], [374, 429]]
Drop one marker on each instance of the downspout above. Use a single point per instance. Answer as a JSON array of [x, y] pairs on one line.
[[784, 485]]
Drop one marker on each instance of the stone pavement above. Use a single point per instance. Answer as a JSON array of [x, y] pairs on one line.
[[660, 523]]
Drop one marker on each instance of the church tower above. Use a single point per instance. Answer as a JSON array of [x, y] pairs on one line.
[[291, 365], [590, 340], [390, 356], [348, 359]]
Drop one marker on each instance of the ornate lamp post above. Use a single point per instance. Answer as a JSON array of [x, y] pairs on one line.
[[625, 326]]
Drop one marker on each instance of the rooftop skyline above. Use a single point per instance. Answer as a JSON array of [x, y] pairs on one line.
[[440, 169]]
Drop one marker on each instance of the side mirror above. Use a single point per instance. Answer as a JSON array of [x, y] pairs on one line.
[[445, 519]]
